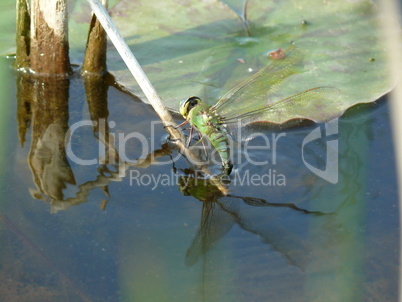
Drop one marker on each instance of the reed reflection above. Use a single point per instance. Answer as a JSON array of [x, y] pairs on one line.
[[43, 107]]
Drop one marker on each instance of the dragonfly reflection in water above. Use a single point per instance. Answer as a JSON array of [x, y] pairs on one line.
[[221, 212], [252, 101]]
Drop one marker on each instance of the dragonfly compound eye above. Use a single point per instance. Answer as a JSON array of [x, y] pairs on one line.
[[187, 105], [193, 101]]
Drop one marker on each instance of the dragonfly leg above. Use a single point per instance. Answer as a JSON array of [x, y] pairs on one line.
[[203, 144], [190, 137], [177, 126]]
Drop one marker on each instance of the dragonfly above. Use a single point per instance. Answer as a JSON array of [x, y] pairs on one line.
[[251, 102]]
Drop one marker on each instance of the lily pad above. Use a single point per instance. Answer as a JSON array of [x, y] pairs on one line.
[[7, 27], [203, 48]]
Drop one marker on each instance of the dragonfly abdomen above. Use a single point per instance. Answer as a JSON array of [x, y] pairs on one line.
[[219, 138]]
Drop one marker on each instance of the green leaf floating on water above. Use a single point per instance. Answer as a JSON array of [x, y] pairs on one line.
[[198, 48], [202, 48], [7, 27]]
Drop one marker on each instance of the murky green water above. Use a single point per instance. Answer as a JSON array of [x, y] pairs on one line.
[[74, 230]]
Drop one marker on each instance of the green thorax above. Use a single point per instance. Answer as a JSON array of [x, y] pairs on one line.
[[209, 124], [204, 120]]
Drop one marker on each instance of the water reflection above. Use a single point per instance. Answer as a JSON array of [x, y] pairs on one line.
[[221, 212], [43, 104], [286, 243]]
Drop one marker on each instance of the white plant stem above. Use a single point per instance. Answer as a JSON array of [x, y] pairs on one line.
[[134, 67]]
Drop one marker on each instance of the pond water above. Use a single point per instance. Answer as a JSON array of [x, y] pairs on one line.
[[74, 228]]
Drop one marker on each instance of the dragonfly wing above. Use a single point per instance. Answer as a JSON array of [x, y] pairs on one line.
[[173, 110], [254, 91], [215, 223], [319, 104]]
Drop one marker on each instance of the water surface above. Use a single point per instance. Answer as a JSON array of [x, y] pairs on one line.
[[71, 230]]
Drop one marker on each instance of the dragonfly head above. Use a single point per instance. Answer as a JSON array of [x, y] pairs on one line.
[[187, 105]]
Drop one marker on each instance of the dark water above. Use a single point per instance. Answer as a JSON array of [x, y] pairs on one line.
[[73, 230]]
